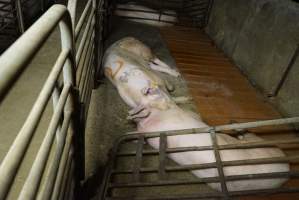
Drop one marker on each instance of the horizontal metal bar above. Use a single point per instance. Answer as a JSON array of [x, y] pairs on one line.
[[46, 191], [22, 51], [32, 182], [234, 126], [147, 11], [66, 175], [286, 159], [272, 143], [63, 165], [148, 19], [208, 180], [205, 195], [13, 158]]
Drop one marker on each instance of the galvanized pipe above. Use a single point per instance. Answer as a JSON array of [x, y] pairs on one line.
[[87, 83], [20, 16], [32, 182], [66, 175], [13, 158], [38, 33], [67, 152], [82, 19], [85, 53], [87, 65], [46, 191], [89, 26], [72, 7]]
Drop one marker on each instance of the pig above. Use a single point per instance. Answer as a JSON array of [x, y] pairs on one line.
[[172, 117], [146, 15], [142, 51], [128, 64]]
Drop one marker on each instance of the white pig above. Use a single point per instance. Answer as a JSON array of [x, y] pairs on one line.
[[146, 15], [127, 65], [175, 118]]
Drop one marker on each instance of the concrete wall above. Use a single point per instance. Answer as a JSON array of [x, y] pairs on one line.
[[260, 36]]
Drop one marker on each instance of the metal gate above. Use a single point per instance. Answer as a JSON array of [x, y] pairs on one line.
[[189, 13], [127, 177], [69, 84]]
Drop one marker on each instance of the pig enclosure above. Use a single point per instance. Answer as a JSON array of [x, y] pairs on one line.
[[222, 93]]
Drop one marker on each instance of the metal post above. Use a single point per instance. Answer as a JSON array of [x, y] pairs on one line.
[[20, 16]]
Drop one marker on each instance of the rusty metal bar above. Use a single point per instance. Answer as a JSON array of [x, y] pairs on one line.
[[138, 159], [228, 127], [286, 159], [206, 195], [207, 180], [219, 163], [162, 156], [271, 143]]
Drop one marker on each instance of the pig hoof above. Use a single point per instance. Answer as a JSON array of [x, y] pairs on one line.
[[182, 99], [137, 109], [175, 74]]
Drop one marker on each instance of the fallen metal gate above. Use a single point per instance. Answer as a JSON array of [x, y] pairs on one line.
[[126, 177], [69, 83]]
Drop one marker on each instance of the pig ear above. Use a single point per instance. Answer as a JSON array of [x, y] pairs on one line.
[[147, 90]]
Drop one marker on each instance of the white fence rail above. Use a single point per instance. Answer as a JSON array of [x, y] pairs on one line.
[[78, 69]]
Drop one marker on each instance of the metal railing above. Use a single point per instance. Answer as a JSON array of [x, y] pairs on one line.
[[135, 171], [189, 13], [77, 68]]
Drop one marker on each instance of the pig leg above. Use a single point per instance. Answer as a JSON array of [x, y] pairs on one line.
[[250, 137], [136, 110], [137, 117], [182, 99], [160, 66], [169, 86]]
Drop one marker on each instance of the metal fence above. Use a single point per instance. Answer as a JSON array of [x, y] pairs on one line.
[[71, 93], [138, 172], [189, 13]]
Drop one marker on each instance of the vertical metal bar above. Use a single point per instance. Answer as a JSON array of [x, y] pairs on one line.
[[208, 13], [138, 159], [72, 6], [219, 163], [96, 40], [285, 73], [162, 156], [20, 16]]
